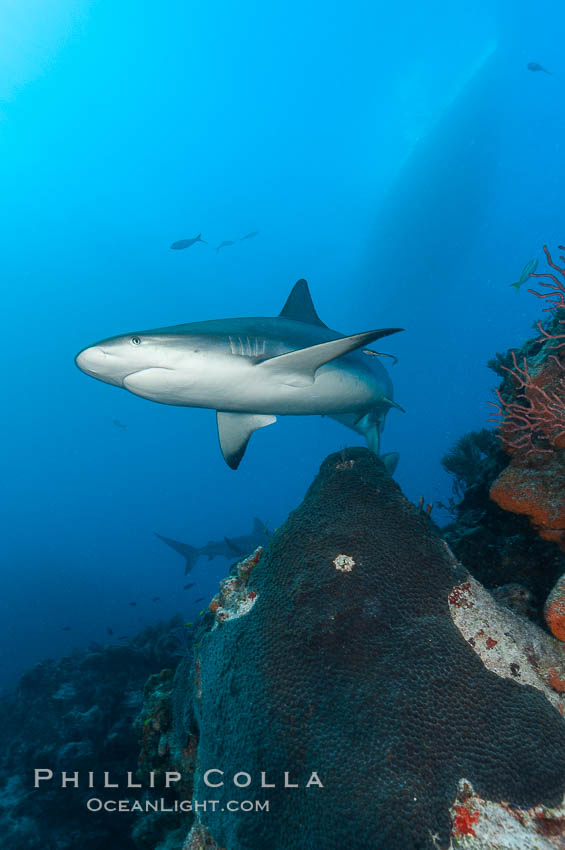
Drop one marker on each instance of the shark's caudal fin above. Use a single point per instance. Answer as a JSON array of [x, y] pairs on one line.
[[189, 553], [299, 306], [298, 368], [234, 431]]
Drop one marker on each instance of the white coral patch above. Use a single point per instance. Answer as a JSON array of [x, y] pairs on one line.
[[507, 644], [501, 826], [343, 563]]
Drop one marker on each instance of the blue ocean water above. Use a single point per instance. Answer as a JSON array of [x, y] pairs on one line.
[[402, 159]]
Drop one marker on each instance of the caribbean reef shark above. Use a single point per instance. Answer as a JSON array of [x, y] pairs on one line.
[[252, 369], [229, 547]]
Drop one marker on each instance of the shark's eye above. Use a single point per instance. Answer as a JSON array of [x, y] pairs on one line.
[[135, 340]]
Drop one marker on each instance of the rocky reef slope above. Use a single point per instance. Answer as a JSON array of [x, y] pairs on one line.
[[354, 677]]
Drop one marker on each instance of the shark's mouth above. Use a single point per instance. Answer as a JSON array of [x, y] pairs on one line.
[[154, 380]]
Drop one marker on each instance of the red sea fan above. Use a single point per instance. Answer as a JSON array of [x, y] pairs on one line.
[[535, 420], [554, 297]]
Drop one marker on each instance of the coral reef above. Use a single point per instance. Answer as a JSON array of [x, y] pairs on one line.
[[531, 417], [362, 662], [499, 548]]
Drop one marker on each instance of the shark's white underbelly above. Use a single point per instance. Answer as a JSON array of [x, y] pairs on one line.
[[236, 385]]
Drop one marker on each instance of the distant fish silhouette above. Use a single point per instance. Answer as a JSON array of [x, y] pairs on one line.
[[133, 604], [156, 598], [535, 66], [123, 637], [229, 547], [66, 628], [189, 585], [119, 424], [186, 243], [224, 244], [250, 235], [200, 598], [528, 269], [109, 631]]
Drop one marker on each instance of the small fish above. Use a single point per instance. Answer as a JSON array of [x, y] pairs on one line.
[[186, 243], [109, 631], [123, 637], [66, 628], [201, 613], [224, 244], [119, 424], [156, 598], [372, 353], [189, 585], [535, 66], [189, 623], [200, 598], [528, 269], [250, 235], [133, 604]]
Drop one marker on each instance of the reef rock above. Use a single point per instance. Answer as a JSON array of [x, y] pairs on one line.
[[356, 650]]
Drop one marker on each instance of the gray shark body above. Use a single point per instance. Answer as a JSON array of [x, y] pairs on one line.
[[230, 547], [252, 369]]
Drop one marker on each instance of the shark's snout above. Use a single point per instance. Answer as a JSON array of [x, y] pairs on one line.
[[98, 363]]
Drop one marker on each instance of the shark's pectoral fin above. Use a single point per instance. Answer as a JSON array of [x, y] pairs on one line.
[[234, 431], [298, 368]]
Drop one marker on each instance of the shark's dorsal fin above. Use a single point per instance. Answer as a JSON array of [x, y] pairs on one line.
[[234, 431], [300, 307], [298, 368], [258, 526]]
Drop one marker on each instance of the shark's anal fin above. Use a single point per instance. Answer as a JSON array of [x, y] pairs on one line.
[[298, 368], [234, 431], [390, 460]]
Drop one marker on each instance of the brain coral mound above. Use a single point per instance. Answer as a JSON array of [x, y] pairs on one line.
[[349, 664]]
